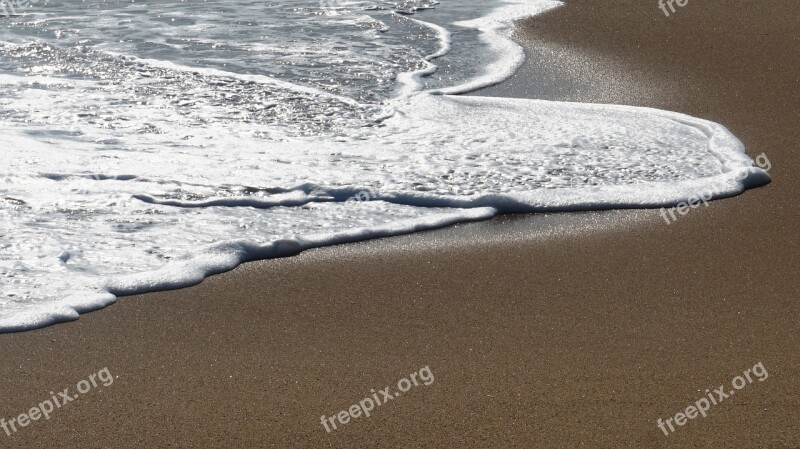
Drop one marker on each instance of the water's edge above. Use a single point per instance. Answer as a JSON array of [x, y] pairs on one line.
[[741, 175]]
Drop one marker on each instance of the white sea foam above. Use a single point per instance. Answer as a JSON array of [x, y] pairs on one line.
[[495, 29], [124, 173]]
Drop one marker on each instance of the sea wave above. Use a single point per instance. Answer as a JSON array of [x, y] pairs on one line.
[[199, 143]]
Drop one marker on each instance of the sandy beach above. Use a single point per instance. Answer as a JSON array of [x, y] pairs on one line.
[[558, 330]]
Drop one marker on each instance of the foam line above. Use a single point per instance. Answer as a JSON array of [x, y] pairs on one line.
[[201, 196], [411, 82], [496, 29]]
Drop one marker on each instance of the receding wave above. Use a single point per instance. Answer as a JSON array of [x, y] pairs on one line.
[[154, 145]]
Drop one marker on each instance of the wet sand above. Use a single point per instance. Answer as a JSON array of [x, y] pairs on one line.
[[557, 330]]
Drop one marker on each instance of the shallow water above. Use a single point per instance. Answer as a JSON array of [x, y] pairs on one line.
[[146, 145]]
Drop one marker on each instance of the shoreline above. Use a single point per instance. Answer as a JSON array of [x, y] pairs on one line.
[[547, 330], [739, 177]]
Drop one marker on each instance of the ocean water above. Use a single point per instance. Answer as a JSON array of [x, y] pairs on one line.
[[146, 145]]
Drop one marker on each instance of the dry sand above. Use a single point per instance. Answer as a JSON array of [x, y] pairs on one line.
[[568, 330]]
